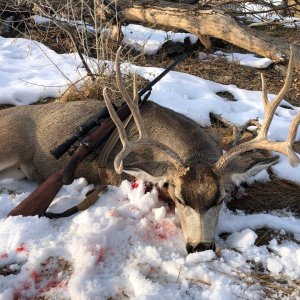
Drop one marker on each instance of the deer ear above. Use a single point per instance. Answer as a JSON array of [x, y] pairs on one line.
[[249, 164], [154, 171]]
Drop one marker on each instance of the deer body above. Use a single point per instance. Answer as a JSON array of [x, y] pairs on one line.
[[159, 146], [28, 133]]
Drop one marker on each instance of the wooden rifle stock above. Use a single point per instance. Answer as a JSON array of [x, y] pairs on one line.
[[40, 199]]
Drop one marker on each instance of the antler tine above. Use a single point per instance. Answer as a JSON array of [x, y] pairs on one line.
[[270, 107], [115, 117], [261, 141], [134, 108], [120, 83], [133, 105], [143, 140], [293, 158]]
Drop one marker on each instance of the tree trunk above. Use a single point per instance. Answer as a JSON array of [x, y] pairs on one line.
[[203, 23]]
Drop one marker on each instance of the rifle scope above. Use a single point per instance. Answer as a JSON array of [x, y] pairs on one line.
[[85, 128]]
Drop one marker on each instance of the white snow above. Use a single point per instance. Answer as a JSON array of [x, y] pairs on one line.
[[148, 40], [242, 241], [262, 13], [274, 265], [130, 244], [140, 38], [30, 71], [248, 60]]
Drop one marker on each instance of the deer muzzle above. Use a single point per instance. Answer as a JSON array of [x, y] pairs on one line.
[[198, 227]]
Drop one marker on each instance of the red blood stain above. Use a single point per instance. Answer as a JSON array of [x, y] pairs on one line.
[[4, 255], [135, 183], [21, 248], [113, 213], [53, 284], [100, 255], [35, 277], [26, 285], [164, 229], [16, 296], [40, 282], [152, 269]]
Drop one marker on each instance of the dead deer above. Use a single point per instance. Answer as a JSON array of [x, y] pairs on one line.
[[170, 150]]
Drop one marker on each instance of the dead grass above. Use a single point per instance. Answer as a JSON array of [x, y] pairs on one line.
[[278, 194], [268, 285], [265, 235], [94, 89], [272, 286], [224, 72]]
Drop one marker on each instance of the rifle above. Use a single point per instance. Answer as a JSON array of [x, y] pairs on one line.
[[98, 120], [40, 199]]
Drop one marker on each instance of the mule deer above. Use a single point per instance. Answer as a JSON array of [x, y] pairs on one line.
[[192, 167]]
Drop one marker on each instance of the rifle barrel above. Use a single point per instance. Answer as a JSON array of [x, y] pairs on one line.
[[103, 114], [178, 60]]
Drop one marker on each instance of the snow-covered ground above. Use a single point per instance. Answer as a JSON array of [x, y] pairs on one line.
[[149, 41], [129, 244], [246, 59]]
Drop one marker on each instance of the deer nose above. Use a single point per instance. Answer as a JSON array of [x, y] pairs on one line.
[[200, 247]]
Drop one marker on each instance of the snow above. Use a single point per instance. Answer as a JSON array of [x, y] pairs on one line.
[[248, 60], [148, 40], [242, 241], [274, 265], [140, 38], [261, 13], [30, 71], [130, 244]]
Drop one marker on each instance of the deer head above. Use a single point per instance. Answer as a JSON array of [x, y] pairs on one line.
[[196, 185]]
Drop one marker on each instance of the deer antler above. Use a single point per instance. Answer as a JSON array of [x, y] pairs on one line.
[[143, 140], [261, 141]]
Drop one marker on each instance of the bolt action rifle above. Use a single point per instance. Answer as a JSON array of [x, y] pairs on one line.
[[90, 139]]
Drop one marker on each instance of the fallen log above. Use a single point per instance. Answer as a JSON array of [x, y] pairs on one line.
[[203, 23]]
